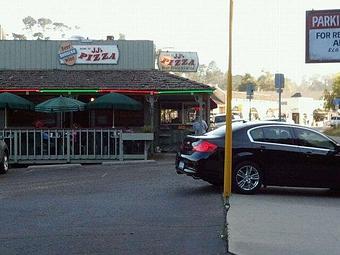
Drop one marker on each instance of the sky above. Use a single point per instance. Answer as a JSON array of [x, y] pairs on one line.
[[268, 35]]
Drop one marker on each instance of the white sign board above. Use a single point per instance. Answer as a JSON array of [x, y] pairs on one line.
[[323, 36], [178, 61], [88, 54]]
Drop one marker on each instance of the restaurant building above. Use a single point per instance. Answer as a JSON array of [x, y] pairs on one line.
[[84, 70]]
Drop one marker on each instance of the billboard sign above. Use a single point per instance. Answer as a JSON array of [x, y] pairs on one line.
[[88, 54], [323, 36], [175, 61]]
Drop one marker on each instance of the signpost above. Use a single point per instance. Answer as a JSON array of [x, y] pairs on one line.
[[228, 134], [322, 36], [279, 85], [250, 95]]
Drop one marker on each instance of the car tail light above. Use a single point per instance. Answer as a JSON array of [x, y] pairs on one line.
[[204, 146]]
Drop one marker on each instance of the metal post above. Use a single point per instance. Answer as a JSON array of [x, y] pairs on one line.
[[228, 135], [208, 112], [280, 91], [68, 149], [200, 104], [121, 144], [5, 117], [249, 109], [15, 146], [279, 85], [152, 99]]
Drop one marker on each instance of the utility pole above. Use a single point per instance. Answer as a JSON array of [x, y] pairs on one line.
[[228, 135]]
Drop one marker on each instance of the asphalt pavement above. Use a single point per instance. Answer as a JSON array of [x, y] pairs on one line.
[[109, 209]]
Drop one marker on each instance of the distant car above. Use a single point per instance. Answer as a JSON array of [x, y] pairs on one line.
[[3, 157], [335, 121], [263, 153], [219, 120]]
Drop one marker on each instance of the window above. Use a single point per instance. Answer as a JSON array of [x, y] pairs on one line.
[[309, 138], [281, 135], [170, 116], [257, 135], [178, 113]]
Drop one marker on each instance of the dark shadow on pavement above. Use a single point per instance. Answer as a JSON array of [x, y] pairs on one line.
[[199, 191], [293, 191]]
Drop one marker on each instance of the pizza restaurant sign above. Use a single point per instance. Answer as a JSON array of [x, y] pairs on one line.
[[88, 54], [178, 61]]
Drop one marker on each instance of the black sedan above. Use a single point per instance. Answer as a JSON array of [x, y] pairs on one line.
[[3, 157], [264, 153]]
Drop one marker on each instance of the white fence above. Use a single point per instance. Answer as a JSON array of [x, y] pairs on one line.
[[37, 146]]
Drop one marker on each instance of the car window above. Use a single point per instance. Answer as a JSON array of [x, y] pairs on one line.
[[257, 135], [310, 138], [273, 134], [220, 118]]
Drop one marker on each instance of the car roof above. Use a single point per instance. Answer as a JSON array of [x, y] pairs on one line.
[[251, 124]]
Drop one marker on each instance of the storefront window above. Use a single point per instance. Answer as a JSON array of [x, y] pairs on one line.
[[170, 116], [183, 113]]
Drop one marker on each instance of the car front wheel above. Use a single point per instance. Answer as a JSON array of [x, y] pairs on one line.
[[4, 164], [247, 178]]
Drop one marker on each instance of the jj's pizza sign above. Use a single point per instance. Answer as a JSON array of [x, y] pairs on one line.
[[178, 61], [88, 54], [323, 36]]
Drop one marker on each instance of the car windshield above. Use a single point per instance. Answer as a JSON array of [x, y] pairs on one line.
[[220, 118]]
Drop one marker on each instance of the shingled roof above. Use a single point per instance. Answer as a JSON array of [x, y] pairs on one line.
[[101, 79]]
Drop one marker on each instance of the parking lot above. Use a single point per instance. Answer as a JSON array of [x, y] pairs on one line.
[[148, 209], [118, 209]]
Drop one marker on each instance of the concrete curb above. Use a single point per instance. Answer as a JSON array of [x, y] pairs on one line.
[[53, 166], [129, 162]]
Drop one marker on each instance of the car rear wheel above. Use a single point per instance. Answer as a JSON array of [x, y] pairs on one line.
[[247, 178], [4, 164]]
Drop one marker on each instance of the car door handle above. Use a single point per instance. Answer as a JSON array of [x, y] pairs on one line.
[[308, 153], [262, 147]]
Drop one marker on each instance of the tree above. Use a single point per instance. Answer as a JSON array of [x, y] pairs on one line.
[[246, 79], [19, 36], [121, 36], [319, 115], [38, 35], [44, 23], [213, 74], [43, 28], [266, 82], [29, 22], [329, 96]]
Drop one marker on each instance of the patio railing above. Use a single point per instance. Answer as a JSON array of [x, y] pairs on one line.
[[37, 146]]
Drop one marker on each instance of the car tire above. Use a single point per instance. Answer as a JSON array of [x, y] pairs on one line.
[[247, 178], [4, 164]]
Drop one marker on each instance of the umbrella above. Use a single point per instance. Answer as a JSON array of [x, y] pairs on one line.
[[115, 101], [59, 105], [12, 101]]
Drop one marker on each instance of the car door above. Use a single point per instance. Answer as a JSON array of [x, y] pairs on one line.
[[275, 149], [319, 159]]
